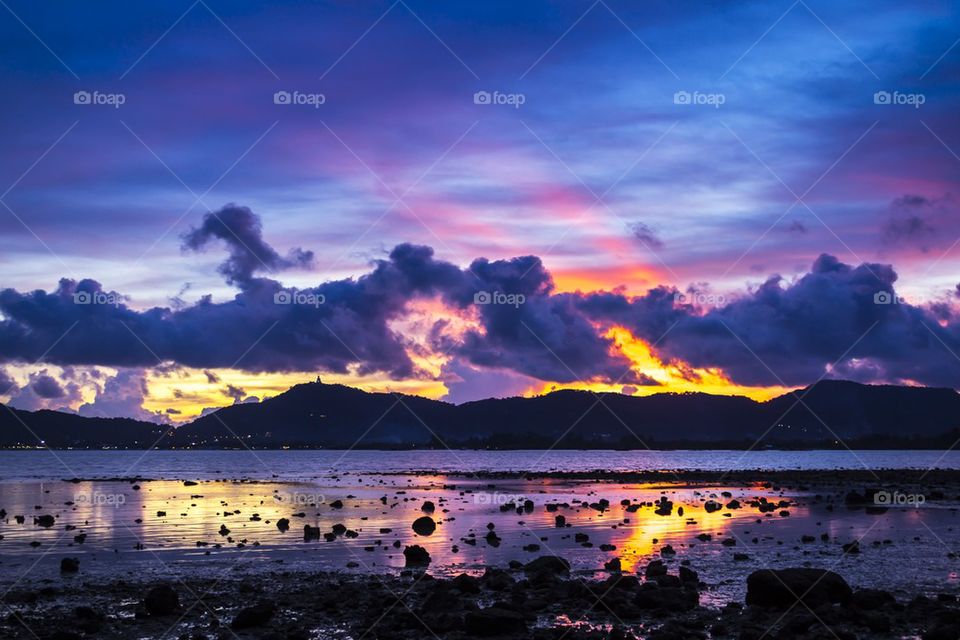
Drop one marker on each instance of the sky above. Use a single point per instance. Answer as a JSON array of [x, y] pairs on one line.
[[203, 203]]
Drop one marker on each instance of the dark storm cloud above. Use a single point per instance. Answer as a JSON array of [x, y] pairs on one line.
[[235, 392], [789, 333], [46, 386], [242, 232], [329, 327], [779, 333]]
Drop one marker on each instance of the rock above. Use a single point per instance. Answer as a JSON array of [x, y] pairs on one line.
[[851, 547], [494, 621], [612, 565], [283, 524], [311, 533], [255, 616], [427, 506], [664, 507], [497, 579], [655, 568], [416, 555], [782, 588], [336, 504], [560, 522], [652, 596], [668, 581], [44, 521], [547, 564], [424, 526], [942, 631], [69, 565], [466, 583], [710, 506], [688, 575], [161, 600], [872, 599]]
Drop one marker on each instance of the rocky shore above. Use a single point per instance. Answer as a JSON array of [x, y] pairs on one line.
[[786, 585], [540, 599]]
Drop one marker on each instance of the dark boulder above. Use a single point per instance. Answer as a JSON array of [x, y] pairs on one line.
[[161, 600], [673, 599], [494, 621], [466, 583], [547, 564], [785, 587], [69, 565], [255, 616], [424, 526], [416, 555], [872, 599]]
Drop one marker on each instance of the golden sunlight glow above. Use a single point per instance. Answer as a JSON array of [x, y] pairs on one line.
[[673, 378], [635, 280]]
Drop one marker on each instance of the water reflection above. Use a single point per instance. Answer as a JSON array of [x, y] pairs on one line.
[[112, 525]]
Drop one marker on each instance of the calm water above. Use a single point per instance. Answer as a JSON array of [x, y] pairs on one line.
[[218, 511], [195, 465]]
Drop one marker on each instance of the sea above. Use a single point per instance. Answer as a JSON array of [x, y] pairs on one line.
[[173, 512]]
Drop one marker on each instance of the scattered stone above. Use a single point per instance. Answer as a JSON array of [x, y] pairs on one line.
[[782, 588], [161, 600], [424, 526], [255, 616], [415, 555], [69, 565], [494, 621]]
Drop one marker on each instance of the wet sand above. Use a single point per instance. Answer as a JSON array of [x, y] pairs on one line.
[[222, 538]]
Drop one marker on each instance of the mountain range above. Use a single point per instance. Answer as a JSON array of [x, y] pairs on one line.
[[827, 414]]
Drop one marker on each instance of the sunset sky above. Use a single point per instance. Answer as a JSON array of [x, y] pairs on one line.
[[677, 196]]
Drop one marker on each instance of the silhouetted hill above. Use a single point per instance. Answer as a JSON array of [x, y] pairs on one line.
[[316, 414], [313, 414], [59, 430], [828, 414]]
